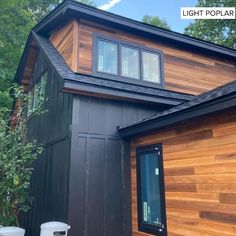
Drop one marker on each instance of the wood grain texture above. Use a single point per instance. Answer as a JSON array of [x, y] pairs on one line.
[[184, 71], [200, 175], [65, 40]]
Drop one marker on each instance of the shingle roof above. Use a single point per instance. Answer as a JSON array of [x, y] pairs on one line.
[[207, 99], [80, 80]]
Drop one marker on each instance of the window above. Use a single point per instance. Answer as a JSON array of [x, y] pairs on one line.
[[37, 94], [121, 60], [151, 72], [150, 186], [107, 57], [129, 62]]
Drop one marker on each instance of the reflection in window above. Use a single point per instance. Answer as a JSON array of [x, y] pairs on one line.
[[37, 95], [151, 67], [107, 57], [150, 189], [129, 62], [151, 193]]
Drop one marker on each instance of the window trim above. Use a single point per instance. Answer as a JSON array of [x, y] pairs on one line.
[[35, 92], [117, 57], [119, 77], [148, 228]]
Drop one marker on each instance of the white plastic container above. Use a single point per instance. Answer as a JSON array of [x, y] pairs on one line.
[[54, 228], [12, 231]]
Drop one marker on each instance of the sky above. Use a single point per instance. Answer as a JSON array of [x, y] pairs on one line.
[[136, 9]]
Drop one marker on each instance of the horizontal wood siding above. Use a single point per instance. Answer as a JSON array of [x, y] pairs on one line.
[[200, 175], [184, 71]]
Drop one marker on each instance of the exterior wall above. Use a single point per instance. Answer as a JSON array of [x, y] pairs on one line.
[[200, 175], [99, 196], [66, 41], [50, 176], [185, 71]]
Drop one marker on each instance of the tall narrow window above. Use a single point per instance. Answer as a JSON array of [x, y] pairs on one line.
[[107, 61], [151, 67], [150, 184], [129, 62], [37, 94]]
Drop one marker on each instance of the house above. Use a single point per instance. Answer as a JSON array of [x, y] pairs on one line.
[[139, 133]]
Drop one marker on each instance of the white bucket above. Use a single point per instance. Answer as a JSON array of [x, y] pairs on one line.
[[12, 231]]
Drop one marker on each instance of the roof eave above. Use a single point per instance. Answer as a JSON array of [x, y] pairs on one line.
[[71, 8], [207, 108]]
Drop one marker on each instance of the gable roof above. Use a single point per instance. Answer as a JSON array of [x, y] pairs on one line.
[[69, 9], [215, 100]]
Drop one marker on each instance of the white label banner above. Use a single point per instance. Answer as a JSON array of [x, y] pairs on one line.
[[208, 12]]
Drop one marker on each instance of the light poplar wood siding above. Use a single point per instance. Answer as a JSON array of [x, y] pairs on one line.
[[200, 176], [65, 40], [184, 70]]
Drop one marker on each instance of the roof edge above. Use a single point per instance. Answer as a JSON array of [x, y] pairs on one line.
[[69, 5], [199, 110]]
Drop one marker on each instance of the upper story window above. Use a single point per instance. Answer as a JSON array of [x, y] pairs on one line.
[[120, 60], [107, 57], [151, 192], [37, 94]]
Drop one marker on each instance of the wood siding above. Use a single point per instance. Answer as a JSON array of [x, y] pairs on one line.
[[98, 194], [184, 70], [200, 176], [65, 40], [49, 185]]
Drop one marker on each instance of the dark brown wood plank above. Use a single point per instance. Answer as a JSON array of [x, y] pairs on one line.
[[219, 217], [228, 198]]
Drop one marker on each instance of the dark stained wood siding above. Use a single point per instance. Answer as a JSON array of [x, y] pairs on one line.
[[51, 170], [184, 71], [99, 192], [200, 175]]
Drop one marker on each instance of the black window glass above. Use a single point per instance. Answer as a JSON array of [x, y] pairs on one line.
[[150, 189]]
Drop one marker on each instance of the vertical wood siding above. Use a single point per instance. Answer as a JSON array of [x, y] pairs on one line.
[[99, 192], [200, 175], [65, 40], [184, 71], [50, 177]]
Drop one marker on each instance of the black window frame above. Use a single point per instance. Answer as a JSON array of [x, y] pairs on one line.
[[32, 105], [119, 77], [117, 59], [142, 226]]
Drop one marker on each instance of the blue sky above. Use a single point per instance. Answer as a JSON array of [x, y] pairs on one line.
[[165, 9]]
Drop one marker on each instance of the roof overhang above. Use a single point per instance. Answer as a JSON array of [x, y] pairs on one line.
[[206, 108], [71, 9], [97, 86]]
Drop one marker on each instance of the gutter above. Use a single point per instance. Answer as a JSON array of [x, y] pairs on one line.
[[164, 121]]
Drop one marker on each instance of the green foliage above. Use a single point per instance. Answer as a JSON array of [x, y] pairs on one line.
[[156, 21], [88, 2], [16, 156], [17, 17], [221, 32]]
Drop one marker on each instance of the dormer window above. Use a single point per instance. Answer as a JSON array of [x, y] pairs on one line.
[[119, 60]]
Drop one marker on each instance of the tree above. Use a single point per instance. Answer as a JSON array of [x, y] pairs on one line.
[[16, 156], [17, 17], [156, 21], [221, 32]]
